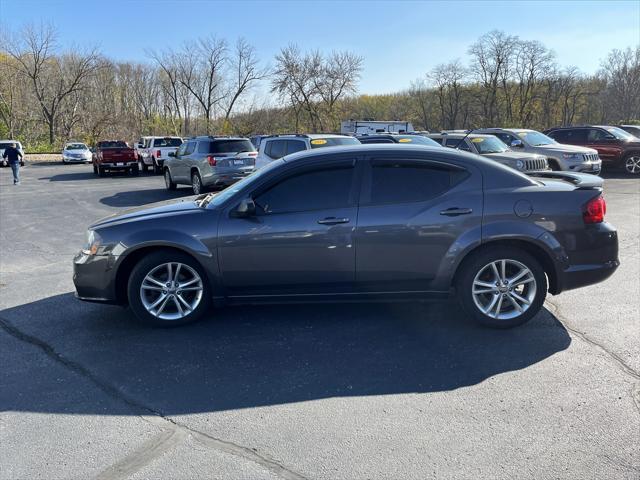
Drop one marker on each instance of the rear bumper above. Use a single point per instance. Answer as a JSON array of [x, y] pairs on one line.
[[594, 259], [223, 179], [119, 165]]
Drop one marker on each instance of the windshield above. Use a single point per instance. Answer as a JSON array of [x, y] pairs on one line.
[[489, 145], [167, 142], [535, 139], [418, 140], [76, 146], [217, 199], [333, 142], [619, 133]]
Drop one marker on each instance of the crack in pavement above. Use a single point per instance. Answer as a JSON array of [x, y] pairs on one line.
[[160, 443], [616, 359]]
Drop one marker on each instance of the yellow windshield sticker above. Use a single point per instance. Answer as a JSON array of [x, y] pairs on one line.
[[477, 140], [318, 141], [405, 140]]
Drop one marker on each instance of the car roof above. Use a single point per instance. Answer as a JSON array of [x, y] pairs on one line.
[[461, 135]]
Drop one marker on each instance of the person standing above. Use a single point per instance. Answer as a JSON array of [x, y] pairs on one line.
[[13, 155]]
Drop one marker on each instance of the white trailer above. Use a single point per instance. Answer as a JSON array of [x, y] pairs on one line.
[[362, 127]]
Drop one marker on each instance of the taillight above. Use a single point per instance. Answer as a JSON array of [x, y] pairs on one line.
[[158, 154], [253, 154], [212, 160], [595, 210]]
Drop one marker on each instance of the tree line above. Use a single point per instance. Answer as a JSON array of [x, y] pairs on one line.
[[50, 94]]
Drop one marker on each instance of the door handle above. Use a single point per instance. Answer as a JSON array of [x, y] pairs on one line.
[[454, 212], [333, 221]]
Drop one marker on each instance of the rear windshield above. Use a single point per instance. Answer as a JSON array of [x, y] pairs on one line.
[[333, 142], [112, 145], [167, 142], [231, 146]]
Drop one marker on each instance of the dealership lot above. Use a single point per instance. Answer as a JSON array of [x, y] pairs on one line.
[[324, 391]]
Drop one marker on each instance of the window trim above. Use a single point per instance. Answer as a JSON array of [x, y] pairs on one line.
[[365, 184]]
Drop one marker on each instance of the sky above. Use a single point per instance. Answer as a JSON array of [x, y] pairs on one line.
[[400, 41]]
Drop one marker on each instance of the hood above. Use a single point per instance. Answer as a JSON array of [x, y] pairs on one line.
[[511, 155], [166, 208], [564, 148]]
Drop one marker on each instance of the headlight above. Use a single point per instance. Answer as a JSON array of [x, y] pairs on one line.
[[92, 243], [572, 156], [520, 164]]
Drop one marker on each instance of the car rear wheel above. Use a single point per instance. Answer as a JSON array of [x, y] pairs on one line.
[[168, 288], [156, 167], [101, 172], [632, 164], [196, 183], [135, 170], [502, 287], [143, 166], [168, 182]]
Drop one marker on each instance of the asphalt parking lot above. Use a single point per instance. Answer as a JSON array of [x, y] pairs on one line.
[[349, 391]]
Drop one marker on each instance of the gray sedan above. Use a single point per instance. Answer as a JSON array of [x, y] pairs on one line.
[[374, 222]]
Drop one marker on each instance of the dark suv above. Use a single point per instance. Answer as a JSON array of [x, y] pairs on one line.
[[616, 147], [209, 162]]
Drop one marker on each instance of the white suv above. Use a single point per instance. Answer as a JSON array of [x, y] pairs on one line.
[[570, 158], [277, 146], [4, 144]]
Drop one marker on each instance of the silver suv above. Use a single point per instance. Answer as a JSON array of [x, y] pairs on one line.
[[274, 147], [571, 158], [492, 147], [209, 162]]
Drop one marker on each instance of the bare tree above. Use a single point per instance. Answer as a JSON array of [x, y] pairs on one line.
[[53, 77], [621, 71], [245, 72], [447, 79]]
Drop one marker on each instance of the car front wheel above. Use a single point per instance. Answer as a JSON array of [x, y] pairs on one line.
[[502, 287], [167, 289], [632, 164]]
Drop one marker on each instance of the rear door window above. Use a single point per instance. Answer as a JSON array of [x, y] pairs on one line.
[[390, 181], [294, 146]]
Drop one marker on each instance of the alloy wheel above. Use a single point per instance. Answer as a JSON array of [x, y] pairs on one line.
[[504, 289], [632, 164], [196, 185], [171, 291]]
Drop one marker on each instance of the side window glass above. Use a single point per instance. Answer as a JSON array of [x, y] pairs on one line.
[[315, 190], [294, 146], [278, 149], [190, 148], [181, 150], [453, 143], [409, 181], [596, 135], [506, 138], [203, 147]]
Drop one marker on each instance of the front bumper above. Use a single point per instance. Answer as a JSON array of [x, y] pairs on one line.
[[587, 167], [94, 278], [75, 160]]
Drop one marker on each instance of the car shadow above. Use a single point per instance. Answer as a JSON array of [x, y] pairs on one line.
[[244, 357], [136, 198], [70, 177]]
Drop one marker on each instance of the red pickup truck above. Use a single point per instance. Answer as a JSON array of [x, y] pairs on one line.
[[114, 155]]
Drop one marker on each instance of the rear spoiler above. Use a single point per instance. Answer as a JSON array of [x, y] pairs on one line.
[[582, 181]]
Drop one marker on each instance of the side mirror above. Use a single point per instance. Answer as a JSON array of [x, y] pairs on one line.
[[172, 154], [517, 144], [247, 208]]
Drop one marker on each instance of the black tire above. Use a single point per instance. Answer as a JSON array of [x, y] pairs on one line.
[[631, 164], [95, 170], [101, 172], [144, 166], [196, 183], [156, 168], [145, 266], [477, 262], [554, 165], [168, 181], [135, 171]]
